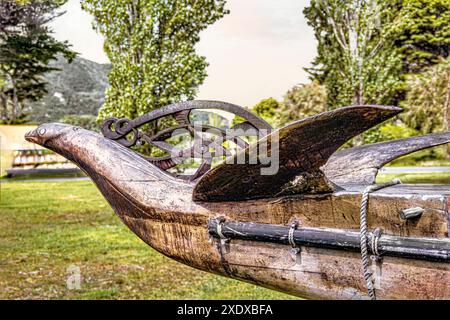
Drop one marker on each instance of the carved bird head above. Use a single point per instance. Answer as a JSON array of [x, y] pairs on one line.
[[54, 136], [110, 165]]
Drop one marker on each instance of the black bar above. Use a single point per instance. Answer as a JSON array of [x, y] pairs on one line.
[[406, 247]]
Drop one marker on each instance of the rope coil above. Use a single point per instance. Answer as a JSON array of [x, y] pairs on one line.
[[363, 235]]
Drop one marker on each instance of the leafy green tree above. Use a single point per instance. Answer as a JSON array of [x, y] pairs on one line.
[[356, 60], [26, 48], [268, 109], [424, 33], [428, 99], [392, 130], [302, 101], [151, 45]]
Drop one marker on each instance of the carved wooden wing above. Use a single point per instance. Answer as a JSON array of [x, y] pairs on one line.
[[303, 147], [360, 165]]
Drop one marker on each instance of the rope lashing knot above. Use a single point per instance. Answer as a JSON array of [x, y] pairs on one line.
[[374, 243], [295, 249], [220, 222], [294, 226], [363, 234]]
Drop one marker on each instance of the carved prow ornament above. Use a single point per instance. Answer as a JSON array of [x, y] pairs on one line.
[[297, 230]]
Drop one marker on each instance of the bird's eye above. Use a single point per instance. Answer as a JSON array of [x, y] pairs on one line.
[[41, 131]]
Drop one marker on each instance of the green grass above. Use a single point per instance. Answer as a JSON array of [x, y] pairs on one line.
[[407, 162], [432, 178], [45, 227]]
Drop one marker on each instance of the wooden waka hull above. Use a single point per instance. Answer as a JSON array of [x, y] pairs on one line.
[[314, 273], [165, 217], [160, 210]]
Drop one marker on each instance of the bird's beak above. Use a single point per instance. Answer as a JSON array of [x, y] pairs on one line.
[[31, 136]]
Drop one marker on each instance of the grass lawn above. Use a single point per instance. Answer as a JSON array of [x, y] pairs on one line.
[[437, 178], [45, 227]]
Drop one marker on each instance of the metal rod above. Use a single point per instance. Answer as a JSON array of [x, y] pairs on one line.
[[406, 247]]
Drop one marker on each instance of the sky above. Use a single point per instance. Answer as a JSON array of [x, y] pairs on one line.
[[257, 51]]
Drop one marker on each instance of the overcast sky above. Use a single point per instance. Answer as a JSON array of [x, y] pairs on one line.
[[255, 52]]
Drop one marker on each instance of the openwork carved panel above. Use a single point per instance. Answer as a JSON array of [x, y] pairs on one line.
[[208, 141]]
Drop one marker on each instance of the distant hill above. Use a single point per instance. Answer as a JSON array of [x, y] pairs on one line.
[[77, 89]]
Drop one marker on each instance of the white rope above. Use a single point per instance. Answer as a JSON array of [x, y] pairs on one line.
[[219, 229], [374, 243], [363, 235], [293, 227]]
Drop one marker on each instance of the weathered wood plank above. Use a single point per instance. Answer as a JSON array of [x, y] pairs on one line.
[[338, 239], [342, 212], [315, 273]]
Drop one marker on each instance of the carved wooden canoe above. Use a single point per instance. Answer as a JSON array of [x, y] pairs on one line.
[[296, 231]]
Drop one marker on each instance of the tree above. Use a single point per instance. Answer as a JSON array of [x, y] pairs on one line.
[[268, 109], [303, 101], [356, 60], [26, 48], [151, 45], [424, 33], [428, 99]]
